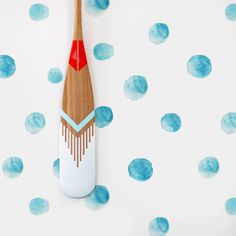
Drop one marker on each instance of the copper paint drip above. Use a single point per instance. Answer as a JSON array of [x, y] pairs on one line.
[[78, 143]]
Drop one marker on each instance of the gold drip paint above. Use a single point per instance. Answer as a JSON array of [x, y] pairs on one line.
[[74, 148], [78, 142], [80, 157], [71, 143], [89, 133]]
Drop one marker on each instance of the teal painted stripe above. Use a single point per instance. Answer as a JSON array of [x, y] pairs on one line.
[[77, 127]]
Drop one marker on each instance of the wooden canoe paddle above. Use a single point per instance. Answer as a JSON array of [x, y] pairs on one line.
[[77, 136]]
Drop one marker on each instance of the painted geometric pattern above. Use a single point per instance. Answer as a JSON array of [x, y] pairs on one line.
[[77, 135]]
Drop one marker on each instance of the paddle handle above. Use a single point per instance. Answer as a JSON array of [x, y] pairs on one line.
[[78, 20]]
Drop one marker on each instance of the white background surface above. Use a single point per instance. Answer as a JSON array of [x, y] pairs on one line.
[[193, 205]]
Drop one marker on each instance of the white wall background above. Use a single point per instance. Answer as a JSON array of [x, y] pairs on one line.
[[193, 205]]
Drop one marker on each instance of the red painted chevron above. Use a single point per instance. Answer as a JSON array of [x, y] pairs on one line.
[[77, 56]]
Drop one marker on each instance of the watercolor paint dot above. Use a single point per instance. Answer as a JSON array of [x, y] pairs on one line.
[[38, 206], [135, 87], [12, 167], [96, 7], [171, 122], [230, 12], [38, 12], [158, 33], [209, 167], [55, 75], [103, 51], [103, 116], [140, 169], [35, 122], [56, 167], [158, 227], [7, 66], [98, 198], [228, 123], [199, 66], [230, 206]]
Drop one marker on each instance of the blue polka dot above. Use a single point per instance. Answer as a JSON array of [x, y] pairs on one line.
[[12, 167], [38, 206], [158, 227], [230, 12], [103, 51], [230, 206], [103, 116], [98, 198], [228, 123], [140, 169], [55, 75], [56, 167], [135, 87], [35, 122], [96, 7], [209, 167], [38, 12], [199, 66], [171, 122], [7, 66], [158, 33]]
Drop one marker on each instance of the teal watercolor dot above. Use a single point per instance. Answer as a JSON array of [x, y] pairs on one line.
[[209, 167], [55, 75], [199, 66], [7, 66], [230, 206], [38, 206], [98, 198], [171, 122], [38, 12], [228, 123], [230, 12], [35, 122], [96, 7], [103, 116], [140, 169], [158, 227], [135, 87], [103, 51], [12, 167], [56, 167], [158, 33]]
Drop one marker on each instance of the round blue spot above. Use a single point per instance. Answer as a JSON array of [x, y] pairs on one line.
[[171, 122], [199, 66], [140, 169], [208, 167], [38, 12], [103, 116], [35, 122], [228, 123], [103, 51], [96, 7], [230, 206], [98, 198], [7, 66], [158, 33], [135, 87], [12, 167], [158, 227], [38, 206], [230, 12], [56, 167], [55, 75]]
